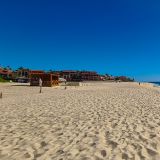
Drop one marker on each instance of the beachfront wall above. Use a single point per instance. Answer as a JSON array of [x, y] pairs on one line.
[[48, 80]]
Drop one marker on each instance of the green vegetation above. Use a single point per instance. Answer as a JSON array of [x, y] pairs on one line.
[[3, 80]]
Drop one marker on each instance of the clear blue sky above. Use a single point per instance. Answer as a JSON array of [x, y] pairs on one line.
[[120, 37]]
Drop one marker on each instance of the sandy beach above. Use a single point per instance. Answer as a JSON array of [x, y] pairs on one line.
[[101, 121]]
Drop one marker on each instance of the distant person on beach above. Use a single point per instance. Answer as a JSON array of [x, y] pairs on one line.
[[40, 84], [139, 83]]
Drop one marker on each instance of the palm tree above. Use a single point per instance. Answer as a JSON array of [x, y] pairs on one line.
[[50, 70], [9, 68], [20, 68]]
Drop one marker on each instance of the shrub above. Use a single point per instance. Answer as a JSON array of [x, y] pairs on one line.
[[3, 80]]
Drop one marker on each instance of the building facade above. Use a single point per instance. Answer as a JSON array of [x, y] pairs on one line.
[[6, 74], [74, 75]]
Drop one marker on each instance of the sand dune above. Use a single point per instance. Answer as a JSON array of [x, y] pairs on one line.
[[102, 121]]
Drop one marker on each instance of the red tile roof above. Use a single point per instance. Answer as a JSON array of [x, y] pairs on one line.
[[5, 72]]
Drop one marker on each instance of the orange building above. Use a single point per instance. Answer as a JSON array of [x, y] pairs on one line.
[[48, 80]]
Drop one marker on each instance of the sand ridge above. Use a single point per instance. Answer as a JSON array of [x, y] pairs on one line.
[[104, 121]]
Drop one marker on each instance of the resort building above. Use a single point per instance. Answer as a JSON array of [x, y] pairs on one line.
[[36, 72], [74, 75], [89, 76], [23, 72], [69, 75], [5, 73], [21, 75]]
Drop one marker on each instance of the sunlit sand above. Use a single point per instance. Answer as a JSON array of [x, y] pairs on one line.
[[101, 121]]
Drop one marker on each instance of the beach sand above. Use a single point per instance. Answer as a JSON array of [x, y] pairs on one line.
[[101, 121]]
